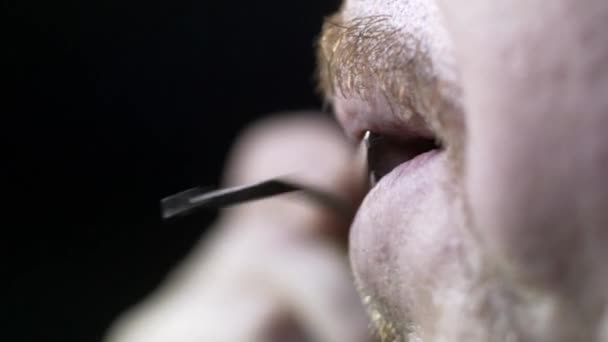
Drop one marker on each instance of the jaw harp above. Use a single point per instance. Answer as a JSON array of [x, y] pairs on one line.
[[190, 201]]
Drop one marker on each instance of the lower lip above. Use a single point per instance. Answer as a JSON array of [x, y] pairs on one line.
[[410, 167], [390, 238]]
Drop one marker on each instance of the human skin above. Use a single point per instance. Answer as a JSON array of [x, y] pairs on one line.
[[271, 270], [499, 235], [502, 234]]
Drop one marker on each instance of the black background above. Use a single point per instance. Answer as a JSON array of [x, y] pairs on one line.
[[108, 106]]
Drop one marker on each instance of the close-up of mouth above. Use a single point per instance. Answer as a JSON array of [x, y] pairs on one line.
[[393, 136], [298, 171], [406, 165], [385, 153]]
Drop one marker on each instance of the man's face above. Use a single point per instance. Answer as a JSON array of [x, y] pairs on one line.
[[497, 232]]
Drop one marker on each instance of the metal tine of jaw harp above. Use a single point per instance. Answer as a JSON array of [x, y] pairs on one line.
[[190, 201]]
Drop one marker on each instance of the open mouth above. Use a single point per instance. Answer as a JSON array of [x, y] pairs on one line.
[[385, 153], [391, 138]]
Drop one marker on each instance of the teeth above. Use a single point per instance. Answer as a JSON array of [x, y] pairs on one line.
[[366, 139], [373, 178]]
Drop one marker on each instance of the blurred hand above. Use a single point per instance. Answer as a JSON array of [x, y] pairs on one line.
[[273, 270]]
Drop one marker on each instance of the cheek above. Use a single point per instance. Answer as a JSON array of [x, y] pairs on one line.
[[538, 198]]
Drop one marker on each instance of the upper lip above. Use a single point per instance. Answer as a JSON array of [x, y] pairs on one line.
[[403, 139], [358, 116]]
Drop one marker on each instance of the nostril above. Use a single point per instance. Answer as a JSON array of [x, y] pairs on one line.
[[384, 153]]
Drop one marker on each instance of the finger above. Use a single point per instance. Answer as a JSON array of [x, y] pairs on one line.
[[310, 149], [268, 258], [313, 280], [307, 273]]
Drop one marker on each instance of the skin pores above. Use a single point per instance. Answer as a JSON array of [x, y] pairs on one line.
[[501, 235]]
